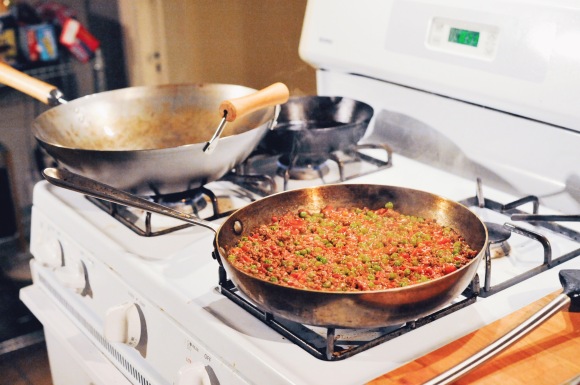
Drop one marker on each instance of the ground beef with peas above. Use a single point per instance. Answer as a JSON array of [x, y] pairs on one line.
[[340, 249]]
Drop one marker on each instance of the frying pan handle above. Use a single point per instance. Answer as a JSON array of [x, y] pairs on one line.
[[46, 93], [74, 182], [276, 93]]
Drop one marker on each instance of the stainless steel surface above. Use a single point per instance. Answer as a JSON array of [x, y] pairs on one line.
[[147, 139]]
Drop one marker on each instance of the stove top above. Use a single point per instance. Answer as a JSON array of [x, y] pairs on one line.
[[175, 272]]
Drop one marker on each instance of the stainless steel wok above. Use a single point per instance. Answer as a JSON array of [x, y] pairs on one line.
[[147, 139], [330, 309]]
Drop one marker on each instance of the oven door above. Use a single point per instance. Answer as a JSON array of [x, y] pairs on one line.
[[73, 359]]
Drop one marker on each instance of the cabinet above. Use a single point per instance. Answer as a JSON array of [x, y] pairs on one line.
[[252, 42]]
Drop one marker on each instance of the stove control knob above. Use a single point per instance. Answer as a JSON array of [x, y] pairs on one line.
[[72, 275], [193, 374], [125, 324], [50, 253]]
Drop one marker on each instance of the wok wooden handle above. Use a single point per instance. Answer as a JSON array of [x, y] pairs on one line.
[[276, 93], [46, 93]]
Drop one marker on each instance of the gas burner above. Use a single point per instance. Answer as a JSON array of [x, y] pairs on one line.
[[498, 240], [302, 167], [210, 202], [530, 250], [306, 170], [188, 203]]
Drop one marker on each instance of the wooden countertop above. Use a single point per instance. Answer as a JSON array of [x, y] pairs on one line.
[[550, 354]]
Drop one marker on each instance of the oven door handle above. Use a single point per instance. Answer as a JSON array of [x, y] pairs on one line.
[[546, 217], [570, 280]]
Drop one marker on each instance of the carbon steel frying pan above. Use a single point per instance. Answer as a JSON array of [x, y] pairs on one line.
[[318, 125], [369, 309], [149, 139]]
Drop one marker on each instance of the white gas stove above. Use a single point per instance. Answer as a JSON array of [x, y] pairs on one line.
[[125, 308]]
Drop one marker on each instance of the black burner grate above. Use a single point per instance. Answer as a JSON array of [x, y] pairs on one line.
[[333, 344], [348, 163], [511, 209]]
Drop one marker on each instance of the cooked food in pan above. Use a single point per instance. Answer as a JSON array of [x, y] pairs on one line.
[[350, 249]]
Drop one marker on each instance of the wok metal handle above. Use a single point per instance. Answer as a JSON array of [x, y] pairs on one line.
[[232, 109], [71, 181], [45, 92]]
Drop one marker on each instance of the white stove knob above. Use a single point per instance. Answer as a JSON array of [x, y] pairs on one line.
[[50, 253], [193, 374], [72, 275], [124, 324]]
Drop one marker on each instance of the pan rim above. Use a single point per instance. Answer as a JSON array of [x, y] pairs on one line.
[[368, 116], [183, 147]]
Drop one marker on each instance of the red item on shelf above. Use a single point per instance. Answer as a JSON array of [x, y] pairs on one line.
[[80, 43]]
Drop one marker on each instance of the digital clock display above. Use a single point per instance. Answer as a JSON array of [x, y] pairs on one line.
[[463, 36]]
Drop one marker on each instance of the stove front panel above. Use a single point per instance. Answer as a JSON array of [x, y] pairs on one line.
[[97, 300]]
